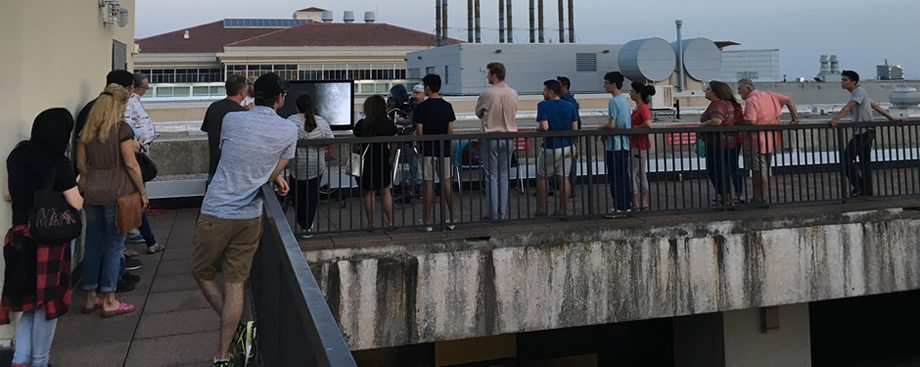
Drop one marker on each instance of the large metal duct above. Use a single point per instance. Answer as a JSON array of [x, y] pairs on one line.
[[501, 21], [532, 26], [508, 30], [561, 21], [702, 59], [571, 21], [650, 59], [478, 27], [469, 21], [540, 20]]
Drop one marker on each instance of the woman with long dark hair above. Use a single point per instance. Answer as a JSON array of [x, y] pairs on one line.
[[108, 170], [377, 169], [641, 94], [722, 148], [310, 163], [37, 284]]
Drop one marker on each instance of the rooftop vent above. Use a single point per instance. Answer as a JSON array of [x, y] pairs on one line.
[[370, 17], [186, 35], [349, 16], [327, 16]]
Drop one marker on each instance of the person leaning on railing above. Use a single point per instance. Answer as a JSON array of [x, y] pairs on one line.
[[762, 108], [639, 144], [722, 148]]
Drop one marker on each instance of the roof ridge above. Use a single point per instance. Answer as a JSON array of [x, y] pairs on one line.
[[266, 34], [181, 30]]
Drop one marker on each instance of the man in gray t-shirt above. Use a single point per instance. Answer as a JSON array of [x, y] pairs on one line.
[[858, 153], [255, 146]]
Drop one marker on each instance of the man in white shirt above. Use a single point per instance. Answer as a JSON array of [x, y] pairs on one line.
[[136, 115]]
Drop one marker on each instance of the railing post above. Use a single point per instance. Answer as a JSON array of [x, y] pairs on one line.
[[844, 165], [588, 158]]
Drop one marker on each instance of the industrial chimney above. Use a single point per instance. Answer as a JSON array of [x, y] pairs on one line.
[[532, 26], [571, 21], [437, 22], [478, 27], [510, 37], [469, 21], [444, 23], [540, 19], [561, 21], [501, 21]]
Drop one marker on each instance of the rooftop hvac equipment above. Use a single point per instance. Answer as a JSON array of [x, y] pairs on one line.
[[327, 16], [904, 98], [349, 16], [702, 58], [370, 17], [650, 59]]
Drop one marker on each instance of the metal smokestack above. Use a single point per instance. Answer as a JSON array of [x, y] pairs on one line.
[[680, 56], [437, 22], [478, 28], [540, 19], [444, 23], [508, 30], [532, 27], [469, 21], [501, 21], [571, 21], [561, 21]]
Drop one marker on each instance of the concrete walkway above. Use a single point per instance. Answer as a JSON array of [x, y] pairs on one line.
[[172, 324]]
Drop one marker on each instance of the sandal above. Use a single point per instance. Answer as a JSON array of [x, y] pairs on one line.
[[123, 308], [129, 253], [155, 248], [96, 307]]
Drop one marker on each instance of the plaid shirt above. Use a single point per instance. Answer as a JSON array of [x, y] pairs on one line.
[[52, 279]]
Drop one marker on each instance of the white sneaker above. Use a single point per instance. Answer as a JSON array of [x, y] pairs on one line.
[[424, 228], [614, 213], [450, 224]]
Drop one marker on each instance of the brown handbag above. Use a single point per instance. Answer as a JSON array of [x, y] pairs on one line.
[[129, 208]]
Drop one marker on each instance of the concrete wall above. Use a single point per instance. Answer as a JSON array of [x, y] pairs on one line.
[[831, 93], [445, 290], [746, 345], [55, 54]]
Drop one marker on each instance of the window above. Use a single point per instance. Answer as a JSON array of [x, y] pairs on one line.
[[429, 70], [446, 74], [585, 62]]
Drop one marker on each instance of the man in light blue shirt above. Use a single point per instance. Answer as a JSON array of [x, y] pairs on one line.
[[255, 146], [617, 147]]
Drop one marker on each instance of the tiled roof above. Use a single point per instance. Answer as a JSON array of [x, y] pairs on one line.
[[312, 9], [205, 38], [342, 34]]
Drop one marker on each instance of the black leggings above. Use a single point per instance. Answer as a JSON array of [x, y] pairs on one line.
[[306, 198]]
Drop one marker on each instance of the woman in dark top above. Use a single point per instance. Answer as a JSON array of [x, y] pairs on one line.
[[108, 170], [377, 171], [43, 294], [722, 148]]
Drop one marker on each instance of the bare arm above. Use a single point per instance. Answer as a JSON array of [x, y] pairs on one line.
[[74, 198], [715, 121], [793, 111], [134, 170], [843, 112], [419, 129], [276, 178], [6, 188], [543, 125], [887, 115], [611, 124]]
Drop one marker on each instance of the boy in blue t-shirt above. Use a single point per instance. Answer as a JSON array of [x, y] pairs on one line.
[[556, 154], [617, 147]]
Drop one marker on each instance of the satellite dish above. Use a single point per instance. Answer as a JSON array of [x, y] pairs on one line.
[[123, 17]]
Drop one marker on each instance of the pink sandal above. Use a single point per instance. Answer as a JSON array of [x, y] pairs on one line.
[[123, 308]]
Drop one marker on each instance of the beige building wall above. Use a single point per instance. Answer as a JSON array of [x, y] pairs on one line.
[[56, 54]]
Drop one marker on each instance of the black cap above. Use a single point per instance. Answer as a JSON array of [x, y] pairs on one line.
[[269, 85]]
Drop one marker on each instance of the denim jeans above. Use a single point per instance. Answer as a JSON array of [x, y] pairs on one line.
[[146, 232], [860, 173], [413, 180], [722, 169], [33, 338], [496, 163], [618, 178], [102, 249]]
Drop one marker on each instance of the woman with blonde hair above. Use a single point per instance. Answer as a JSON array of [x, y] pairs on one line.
[[108, 170]]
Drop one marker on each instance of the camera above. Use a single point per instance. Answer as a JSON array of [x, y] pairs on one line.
[[399, 107]]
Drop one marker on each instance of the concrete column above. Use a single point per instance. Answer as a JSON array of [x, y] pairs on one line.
[[746, 344]]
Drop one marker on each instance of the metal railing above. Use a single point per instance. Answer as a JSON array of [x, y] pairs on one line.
[[296, 326], [810, 163]]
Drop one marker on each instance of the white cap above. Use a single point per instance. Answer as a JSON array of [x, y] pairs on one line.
[[418, 88]]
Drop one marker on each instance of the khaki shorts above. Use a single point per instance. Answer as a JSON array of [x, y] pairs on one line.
[[430, 165], [556, 161], [234, 239], [757, 161]]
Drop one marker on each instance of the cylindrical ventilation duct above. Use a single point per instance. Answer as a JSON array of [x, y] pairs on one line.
[[561, 21], [508, 30], [532, 26], [540, 20], [478, 26], [327, 16], [469, 21], [501, 21], [444, 35], [348, 16], [680, 57], [650, 59], [370, 17], [437, 21], [571, 21], [702, 59]]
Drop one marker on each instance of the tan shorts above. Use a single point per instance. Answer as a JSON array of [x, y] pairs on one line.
[[555, 162], [430, 165], [234, 239], [757, 161]]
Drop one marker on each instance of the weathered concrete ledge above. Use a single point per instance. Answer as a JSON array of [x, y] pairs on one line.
[[405, 294]]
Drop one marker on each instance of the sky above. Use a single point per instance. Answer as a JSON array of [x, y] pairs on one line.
[[861, 33]]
